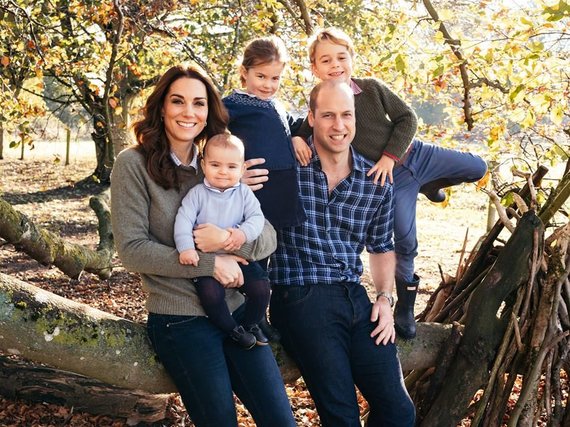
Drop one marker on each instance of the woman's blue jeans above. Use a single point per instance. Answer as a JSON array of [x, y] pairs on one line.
[[205, 367], [326, 329]]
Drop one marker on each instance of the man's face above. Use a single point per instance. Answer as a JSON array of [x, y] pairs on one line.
[[333, 120]]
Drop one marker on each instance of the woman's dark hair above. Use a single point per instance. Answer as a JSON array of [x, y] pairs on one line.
[[149, 130]]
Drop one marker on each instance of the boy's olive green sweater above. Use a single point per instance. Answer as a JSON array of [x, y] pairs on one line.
[[143, 216]]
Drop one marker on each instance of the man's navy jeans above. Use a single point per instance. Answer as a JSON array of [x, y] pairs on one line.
[[326, 329]]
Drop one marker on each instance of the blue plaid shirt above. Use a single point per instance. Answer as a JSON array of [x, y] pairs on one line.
[[326, 248]]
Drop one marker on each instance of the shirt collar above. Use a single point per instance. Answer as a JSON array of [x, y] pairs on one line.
[[251, 95], [217, 190], [193, 161], [355, 88]]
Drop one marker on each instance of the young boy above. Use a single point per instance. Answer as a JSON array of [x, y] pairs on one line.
[[222, 200], [385, 130]]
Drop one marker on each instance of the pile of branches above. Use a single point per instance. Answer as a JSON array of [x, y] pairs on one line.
[[509, 306]]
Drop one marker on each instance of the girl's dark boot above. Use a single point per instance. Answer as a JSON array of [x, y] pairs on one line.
[[404, 318]]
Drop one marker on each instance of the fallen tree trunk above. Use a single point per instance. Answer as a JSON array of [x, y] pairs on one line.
[[46, 328], [48, 248], [32, 383]]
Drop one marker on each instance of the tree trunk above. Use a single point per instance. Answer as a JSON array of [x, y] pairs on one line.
[[484, 328], [50, 329], [102, 142], [48, 248], [23, 380], [121, 136], [1, 141]]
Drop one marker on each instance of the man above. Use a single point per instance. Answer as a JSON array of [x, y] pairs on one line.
[[328, 325]]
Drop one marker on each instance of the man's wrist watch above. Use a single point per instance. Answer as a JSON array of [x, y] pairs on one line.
[[386, 295]]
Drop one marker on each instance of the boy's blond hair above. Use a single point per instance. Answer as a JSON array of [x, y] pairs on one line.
[[332, 34]]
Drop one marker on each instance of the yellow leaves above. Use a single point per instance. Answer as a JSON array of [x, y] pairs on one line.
[[557, 11], [114, 103], [400, 63], [529, 120], [539, 102], [496, 133], [445, 14], [482, 183], [557, 114], [439, 37], [94, 88], [518, 94], [487, 93], [518, 115], [439, 84]]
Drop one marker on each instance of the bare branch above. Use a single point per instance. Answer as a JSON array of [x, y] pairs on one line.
[[454, 45]]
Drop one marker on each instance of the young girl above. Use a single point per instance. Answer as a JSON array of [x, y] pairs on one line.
[[385, 130], [261, 122]]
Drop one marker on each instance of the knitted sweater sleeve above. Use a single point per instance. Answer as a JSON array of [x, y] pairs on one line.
[[186, 220], [383, 101], [304, 130], [137, 248]]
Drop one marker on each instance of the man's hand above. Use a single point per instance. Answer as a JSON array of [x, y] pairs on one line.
[[382, 313], [382, 170], [254, 178], [302, 150]]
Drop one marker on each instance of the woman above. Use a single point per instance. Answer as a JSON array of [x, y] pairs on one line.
[[148, 183]]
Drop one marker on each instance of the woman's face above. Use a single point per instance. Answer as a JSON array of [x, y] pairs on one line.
[[185, 110]]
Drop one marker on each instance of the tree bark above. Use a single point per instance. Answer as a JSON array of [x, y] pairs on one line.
[[48, 248], [64, 334], [23, 380], [1, 141], [483, 329]]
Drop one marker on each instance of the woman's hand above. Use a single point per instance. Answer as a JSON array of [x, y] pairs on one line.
[[227, 270], [302, 150], [254, 178], [210, 238], [382, 170]]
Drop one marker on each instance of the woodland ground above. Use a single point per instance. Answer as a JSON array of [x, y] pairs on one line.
[[44, 190]]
